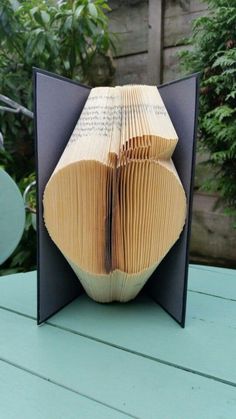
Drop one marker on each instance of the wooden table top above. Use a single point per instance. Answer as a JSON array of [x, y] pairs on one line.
[[113, 361]]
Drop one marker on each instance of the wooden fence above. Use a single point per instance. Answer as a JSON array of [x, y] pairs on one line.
[[150, 34]]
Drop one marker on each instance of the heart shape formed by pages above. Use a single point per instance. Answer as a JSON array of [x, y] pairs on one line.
[[114, 204]]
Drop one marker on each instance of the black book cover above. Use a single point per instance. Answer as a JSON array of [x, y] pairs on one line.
[[58, 103]]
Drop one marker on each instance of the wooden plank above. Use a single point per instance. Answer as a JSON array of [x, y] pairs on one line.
[[179, 27], [18, 291], [210, 324], [140, 386], [155, 42], [23, 395], [130, 23], [132, 69], [171, 63], [220, 271], [213, 237], [214, 281], [129, 20], [177, 8]]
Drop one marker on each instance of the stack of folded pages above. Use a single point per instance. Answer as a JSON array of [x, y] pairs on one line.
[[114, 204]]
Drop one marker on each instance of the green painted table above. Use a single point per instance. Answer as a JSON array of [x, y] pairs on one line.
[[114, 361]]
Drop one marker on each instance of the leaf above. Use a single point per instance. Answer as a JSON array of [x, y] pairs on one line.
[[106, 7], [223, 112], [33, 221], [34, 10], [68, 23], [79, 11], [66, 64], [92, 10], [45, 16], [37, 31], [231, 95], [40, 44], [28, 221], [72, 57], [223, 61], [38, 17]]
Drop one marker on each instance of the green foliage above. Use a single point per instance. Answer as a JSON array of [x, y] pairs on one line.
[[214, 54], [65, 37]]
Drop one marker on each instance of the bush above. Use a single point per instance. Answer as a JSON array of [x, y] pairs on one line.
[[65, 37], [214, 54]]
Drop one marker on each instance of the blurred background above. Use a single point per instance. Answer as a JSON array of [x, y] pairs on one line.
[[119, 42]]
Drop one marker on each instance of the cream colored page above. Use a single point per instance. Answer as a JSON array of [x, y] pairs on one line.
[[144, 105], [111, 117], [97, 132]]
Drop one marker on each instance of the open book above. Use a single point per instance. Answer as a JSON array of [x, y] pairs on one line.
[[114, 204]]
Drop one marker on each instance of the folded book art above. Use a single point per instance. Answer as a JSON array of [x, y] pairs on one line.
[[112, 203]]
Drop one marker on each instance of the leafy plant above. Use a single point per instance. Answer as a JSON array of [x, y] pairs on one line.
[[66, 37], [214, 54]]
